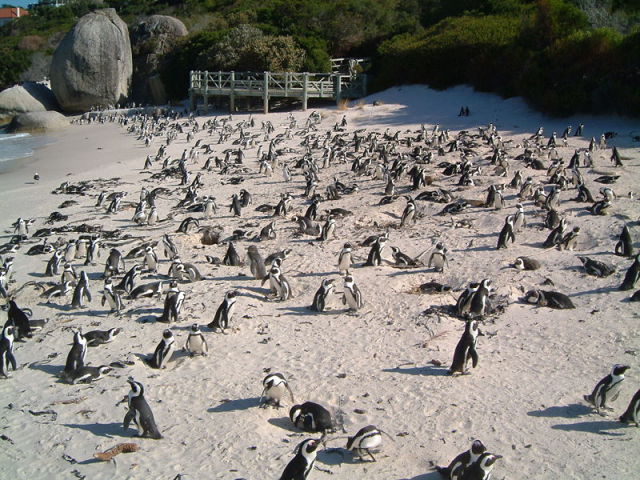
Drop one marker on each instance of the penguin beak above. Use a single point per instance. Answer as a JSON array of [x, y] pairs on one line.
[[480, 334]]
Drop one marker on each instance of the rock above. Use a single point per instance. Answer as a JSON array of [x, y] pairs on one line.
[[38, 122], [151, 39], [28, 97], [92, 66]]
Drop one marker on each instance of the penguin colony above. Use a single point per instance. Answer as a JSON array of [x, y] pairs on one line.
[[435, 172]]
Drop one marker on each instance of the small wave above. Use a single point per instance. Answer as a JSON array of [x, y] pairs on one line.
[[13, 136]]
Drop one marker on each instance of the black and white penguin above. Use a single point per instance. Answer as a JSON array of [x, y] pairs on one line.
[[77, 354], [236, 206], [526, 263], [256, 263], [632, 413], [110, 296], [7, 359], [461, 462], [608, 388], [196, 343], [54, 264], [60, 290], [328, 229], [163, 351], [101, 337], [478, 302], [506, 233], [93, 251], [128, 282], [279, 283], [147, 290], [88, 374], [81, 292], [173, 302], [466, 348], [311, 417], [596, 267], [320, 298], [224, 314], [551, 299], [409, 213], [274, 387], [151, 259], [231, 257], [556, 235], [302, 463], [438, 258], [624, 247], [114, 264], [139, 412], [169, 247], [375, 254], [632, 275], [268, 232], [482, 468], [570, 240], [19, 319], [365, 440], [519, 220], [345, 258], [352, 296]]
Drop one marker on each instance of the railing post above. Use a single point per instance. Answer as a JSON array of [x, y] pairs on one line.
[[206, 92], [265, 93], [305, 87], [232, 96], [338, 89]]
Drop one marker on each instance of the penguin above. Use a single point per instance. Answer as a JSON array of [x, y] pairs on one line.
[[279, 283], [81, 291], [438, 258], [482, 468], [278, 256], [268, 232], [608, 388], [54, 264], [374, 258], [70, 251], [632, 275], [570, 240], [302, 463], [466, 348], [68, 274], [232, 258], [87, 374], [320, 298], [474, 301], [632, 413], [463, 304], [151, 259], [7, 359], [77, 354], [93, 251], [506, 233], [172, 305], [128, 282], [526, 263], [624, 247], [110, 296], [224, 314], [170, 249], [596, 267], [556, 235], [274, 386], [546, 298], [245, 198], [352, 297], [60, 290], [600, 207], [345, 258], [100, 337], [311, 417], [409, 213], [210, 207], [519, 219], [147, 290], [365, 440], [236, 206], [461, 462], [139, 412], [163, 351], [196, 344], [327, 229], [256, 263], [19, 319], [115, 263]]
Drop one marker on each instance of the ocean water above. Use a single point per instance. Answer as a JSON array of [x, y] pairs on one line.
[[15, 146]]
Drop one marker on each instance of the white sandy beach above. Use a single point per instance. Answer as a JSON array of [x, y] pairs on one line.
[[524, 400]]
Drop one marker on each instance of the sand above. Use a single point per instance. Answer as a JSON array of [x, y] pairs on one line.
[[385, 366]]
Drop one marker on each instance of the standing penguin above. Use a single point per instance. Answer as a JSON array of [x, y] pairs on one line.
[[352, 297], [608, 388], [301, 465], [506, 233], [54, 264], [110, 296], [311, 417], [256, 263], [482, 468], [438, 258], [345, 258], [231, 257], [196, 344], [273, 387], [139, 412], [173, 302], [632, 413], [81, 291], [236, 206], [18, 318], [375, 254], [459, 464], [466, 348], [6, 351], [279, 283], [624, 247], [224, 314], [163, 350], [77, 354], [409, 213], [632, 275], [519, 220], [151, 259], [320, 298]]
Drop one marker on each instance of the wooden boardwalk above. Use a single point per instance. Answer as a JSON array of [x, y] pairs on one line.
[[266, 85]]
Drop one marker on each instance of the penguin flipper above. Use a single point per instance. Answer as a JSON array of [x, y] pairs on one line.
[[444, 471], [128, 418], [12, 360], [87, 294], [474, 357]]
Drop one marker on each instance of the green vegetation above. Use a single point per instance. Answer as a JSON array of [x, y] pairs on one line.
[[563, 56]]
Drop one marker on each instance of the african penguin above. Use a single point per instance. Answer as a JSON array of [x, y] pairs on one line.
[[608, 388], [632, 413], [274, 386], [466, 348], [461, 462], [7, 359], [224, 314], [320, 298], [302, 463], [311, 417], [196, 344], [139, 412], [163, 351], [365, 440]]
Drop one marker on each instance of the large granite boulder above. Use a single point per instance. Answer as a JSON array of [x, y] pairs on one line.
[[151, 39], [92, 66], [28, 97], [38, 122]]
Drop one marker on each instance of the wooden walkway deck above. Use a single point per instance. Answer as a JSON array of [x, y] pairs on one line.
[[266, 85]]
